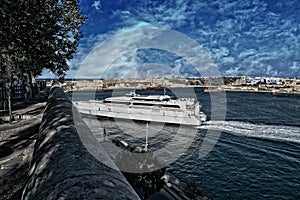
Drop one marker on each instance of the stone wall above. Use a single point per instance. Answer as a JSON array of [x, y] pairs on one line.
[[62, 168]]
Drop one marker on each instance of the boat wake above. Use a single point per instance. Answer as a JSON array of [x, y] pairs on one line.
[[262, 131]]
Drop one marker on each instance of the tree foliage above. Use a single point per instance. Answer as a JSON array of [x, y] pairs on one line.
[[38, 34]]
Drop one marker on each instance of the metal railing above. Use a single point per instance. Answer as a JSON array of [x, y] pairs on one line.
[[18, 92]]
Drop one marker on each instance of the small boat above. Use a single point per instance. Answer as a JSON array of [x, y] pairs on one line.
[[274, 92], [159, 87], [213, 89]]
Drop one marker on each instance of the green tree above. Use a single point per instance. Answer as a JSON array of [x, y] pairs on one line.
[[37, 35]]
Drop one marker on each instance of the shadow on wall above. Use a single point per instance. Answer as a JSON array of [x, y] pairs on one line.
[[62, 167]]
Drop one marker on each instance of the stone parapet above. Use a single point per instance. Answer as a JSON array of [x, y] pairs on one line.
[[62, 167]]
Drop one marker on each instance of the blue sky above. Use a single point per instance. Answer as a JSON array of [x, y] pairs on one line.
[[254, 38]]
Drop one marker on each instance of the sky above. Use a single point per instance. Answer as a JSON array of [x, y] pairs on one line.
[[252, 38]]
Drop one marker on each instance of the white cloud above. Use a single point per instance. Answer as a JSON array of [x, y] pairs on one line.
[[113, 58], [97, 5], [238, 33], [233, 71], [295, 67], [170, 14]]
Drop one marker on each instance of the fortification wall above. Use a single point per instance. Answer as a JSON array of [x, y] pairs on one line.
[[62, 167]]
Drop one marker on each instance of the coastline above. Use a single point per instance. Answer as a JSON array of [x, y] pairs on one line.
[[263, 89], [223, 89], [242, 84]]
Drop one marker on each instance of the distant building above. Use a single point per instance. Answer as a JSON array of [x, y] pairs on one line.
[[263, 80]]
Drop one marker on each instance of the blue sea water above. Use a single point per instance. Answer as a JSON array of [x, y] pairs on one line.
[[257, 155]]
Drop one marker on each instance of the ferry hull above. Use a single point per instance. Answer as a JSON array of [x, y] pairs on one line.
[[171, 116]]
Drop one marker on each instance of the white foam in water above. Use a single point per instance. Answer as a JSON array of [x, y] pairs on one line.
[[273, 132]]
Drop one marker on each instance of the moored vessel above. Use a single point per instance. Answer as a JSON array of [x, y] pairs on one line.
[[159, 87], [213, 89]]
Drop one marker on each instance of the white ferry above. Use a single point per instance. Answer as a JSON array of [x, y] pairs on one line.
[[156, 108]]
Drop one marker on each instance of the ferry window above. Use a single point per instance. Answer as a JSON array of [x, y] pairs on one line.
[[140, 99], [117, 102], [143, 104], [122, 102], [151, 99], [171, 106]]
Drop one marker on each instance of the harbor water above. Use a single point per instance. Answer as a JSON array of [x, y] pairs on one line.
[[257, 153]]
